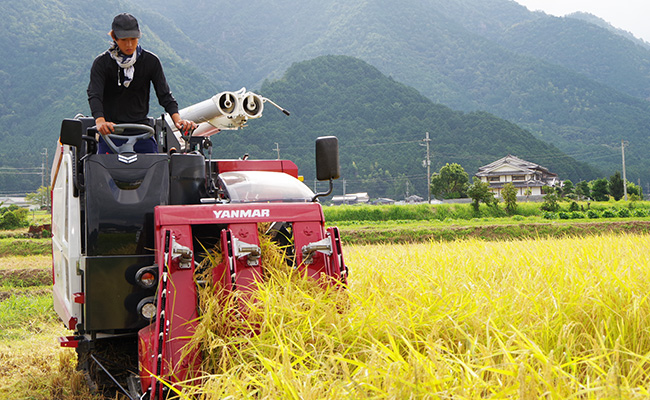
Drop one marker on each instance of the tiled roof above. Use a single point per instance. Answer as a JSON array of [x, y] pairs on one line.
[[526, 167]]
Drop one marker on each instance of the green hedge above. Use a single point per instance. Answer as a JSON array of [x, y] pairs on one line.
[[441, 212]]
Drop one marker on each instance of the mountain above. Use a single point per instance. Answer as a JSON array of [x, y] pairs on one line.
[[47, 49], [381, 125], [592, 19], [570, 82]]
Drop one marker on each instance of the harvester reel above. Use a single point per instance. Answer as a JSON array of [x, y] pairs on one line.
[[130, 140]]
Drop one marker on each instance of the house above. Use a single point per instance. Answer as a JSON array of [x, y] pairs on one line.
[[414, 198], [521, 173], [353, 198], [383, 200], [17, 201]]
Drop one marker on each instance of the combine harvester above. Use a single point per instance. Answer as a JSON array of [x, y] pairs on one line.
[[130, 229]]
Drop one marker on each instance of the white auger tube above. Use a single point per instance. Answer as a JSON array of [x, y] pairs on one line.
[[225, 110], [224, 104], [252, 105]]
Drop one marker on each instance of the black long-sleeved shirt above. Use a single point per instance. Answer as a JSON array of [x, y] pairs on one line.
[[120, 104]]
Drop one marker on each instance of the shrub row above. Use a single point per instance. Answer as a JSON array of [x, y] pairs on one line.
[[595, 214], [441, 212]]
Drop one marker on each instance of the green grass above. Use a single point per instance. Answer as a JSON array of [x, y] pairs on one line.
[[32, 364], [19, 311], [371, 232], [442, 212], [19, 246]]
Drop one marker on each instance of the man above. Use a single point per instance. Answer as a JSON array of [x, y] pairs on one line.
[[120, 81]]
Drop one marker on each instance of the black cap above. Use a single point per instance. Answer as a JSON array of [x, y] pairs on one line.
[[125, 26]]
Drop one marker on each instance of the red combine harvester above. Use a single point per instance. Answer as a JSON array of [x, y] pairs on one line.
[[129, 231]]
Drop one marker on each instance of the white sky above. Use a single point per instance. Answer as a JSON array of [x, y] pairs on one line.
[[630, 15]]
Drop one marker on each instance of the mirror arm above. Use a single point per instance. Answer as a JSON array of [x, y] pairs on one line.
[[324, 193]]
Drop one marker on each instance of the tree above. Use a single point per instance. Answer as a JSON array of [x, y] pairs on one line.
[[634, 191], [480, 192], [450, 183], [616, 186], [509, 194], [567, 188], [13, 217], [600, 189], [551, 202], [40, 197], [582, 189], [550, 190]]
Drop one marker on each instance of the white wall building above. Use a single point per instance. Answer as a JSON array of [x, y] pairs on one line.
[[521, 173]]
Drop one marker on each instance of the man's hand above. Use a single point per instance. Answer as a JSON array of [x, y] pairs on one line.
[[184, 125], [104, 127]]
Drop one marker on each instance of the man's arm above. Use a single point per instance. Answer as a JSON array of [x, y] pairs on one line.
[[166, 99], [96, 96]]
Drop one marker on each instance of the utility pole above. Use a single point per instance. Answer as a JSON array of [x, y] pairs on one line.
[[427, 163], [43, 166], [277, 148], [623, 144]]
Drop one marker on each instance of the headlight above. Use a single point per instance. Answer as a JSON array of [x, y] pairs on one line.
[[147, 308], [147, 277]]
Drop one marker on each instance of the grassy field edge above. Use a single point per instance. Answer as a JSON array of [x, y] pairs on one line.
[[418, 232]]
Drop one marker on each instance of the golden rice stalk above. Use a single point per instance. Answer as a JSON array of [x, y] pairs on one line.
[[222, 327], [551, 318]]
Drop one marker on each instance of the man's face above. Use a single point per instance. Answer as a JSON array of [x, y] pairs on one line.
[[127, 45]]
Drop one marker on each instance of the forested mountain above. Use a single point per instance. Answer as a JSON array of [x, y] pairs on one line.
[[592, 19], [381, 125], [47, 49], [570, 82]]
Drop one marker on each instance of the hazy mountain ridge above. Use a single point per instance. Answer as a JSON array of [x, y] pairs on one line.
[[471, 55], [604, 24]]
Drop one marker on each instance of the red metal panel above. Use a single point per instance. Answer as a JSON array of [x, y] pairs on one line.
[[242, 272], [339, 271], [236, 213], [69, 341], [286, 166], [147, 355], [305, 233], [176, 317], [79, 297]]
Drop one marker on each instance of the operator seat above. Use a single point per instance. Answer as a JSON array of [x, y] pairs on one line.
[[120, 196]]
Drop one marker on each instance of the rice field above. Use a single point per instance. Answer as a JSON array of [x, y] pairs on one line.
[[547, 318]]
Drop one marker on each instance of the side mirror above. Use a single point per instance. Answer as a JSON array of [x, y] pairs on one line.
[[71, 132], [327, 158], [327, 162]]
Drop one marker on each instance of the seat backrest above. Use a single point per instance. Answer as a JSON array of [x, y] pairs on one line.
[[120, 200], [187, 179]]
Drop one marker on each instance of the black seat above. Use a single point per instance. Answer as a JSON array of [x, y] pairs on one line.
[[120, 200]]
